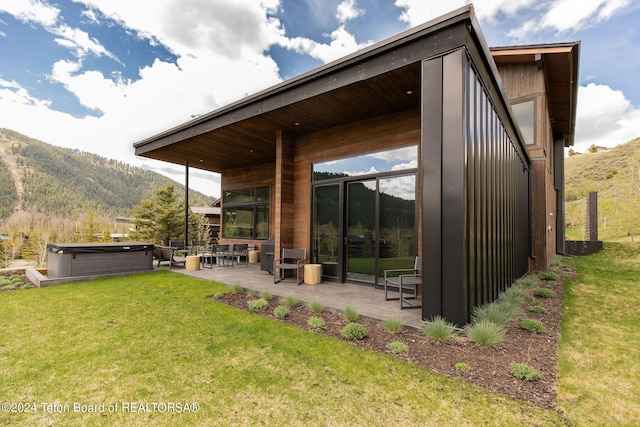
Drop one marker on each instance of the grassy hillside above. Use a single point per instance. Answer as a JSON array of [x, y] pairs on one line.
[[66, 183], [615, 175]]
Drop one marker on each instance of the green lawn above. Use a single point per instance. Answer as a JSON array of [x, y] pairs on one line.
[[599, 366], [155, 339]]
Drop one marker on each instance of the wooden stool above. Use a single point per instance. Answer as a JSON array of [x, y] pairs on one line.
[[254, 257], [312, 274], [193, 262]]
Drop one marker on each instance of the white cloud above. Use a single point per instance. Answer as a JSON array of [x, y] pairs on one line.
[[416, 12], [604, 118], [569, 15], [348, 10], [342, 43], [31, 11]]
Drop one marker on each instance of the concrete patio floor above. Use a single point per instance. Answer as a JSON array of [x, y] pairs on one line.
[[368, 301]]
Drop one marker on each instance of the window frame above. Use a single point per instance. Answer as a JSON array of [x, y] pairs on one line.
[[256, 205]]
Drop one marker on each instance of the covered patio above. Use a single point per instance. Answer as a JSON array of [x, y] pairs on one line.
[[368, 301]]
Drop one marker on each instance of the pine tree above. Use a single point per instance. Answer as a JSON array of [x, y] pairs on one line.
[[160, 219]]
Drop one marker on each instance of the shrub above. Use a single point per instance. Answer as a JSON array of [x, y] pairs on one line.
[[500, 313], [533, 325], [316, 307], [537, 308], [4, 282], [289, 301], [353, 332], [16, 279], [460, 366], [397, 347], [544, 293], [316, 322], [486, 333], [562, 261], [259, 304], [514, 295], [236, 288], [549, 276], [527, 282], [438, 329], [266, 295], [349, 313], [524, 372], [281, 312], [392, 324]]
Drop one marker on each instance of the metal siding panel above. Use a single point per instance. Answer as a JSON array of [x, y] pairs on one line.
[[454, 253], [431, 175]]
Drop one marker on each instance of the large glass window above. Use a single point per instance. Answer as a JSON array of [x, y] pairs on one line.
[[366, 164], [525, 113], [246, 213]]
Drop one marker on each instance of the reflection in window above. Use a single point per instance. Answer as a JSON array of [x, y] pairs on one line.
[[525, 113], [371, 163], [246, 213]]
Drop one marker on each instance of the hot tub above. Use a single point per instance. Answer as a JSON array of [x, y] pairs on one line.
[[90, 259]]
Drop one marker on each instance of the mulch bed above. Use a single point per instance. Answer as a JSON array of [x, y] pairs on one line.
[[488, 367], [25, 282]]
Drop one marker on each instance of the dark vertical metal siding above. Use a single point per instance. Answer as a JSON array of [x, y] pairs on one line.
[[498, 197], [475, 192]]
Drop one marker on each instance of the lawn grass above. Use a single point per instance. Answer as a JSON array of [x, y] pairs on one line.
[[156, 338], [599, 361]]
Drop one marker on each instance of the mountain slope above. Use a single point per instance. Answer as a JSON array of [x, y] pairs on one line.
[[35, 176], [615, 175]]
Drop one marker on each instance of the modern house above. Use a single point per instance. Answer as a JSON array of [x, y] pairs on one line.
[[426, 144]]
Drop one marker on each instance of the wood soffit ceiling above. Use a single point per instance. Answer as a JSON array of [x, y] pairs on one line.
[[251, 141]]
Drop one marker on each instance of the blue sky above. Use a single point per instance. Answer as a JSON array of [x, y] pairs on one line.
[[98, 75]]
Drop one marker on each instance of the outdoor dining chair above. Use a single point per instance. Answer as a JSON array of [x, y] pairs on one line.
[[408, 282], [292, 259]]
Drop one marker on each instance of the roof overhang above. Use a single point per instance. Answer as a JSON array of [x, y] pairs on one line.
[[384, 78], [560, 62]]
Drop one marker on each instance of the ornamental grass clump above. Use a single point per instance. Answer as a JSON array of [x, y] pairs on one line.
[[548, 276], [353, 332], [499, 313], [315, 322], [259, 304], [537, 308], [397, 347], [316, 307], [439, 330], [281, 312], [524, 372], [289, 301], [544, 293], [485, 333], [514, 295], [392, 324], [527, 282], [236, 288], [266, 295], [533, 325], [349, 313]]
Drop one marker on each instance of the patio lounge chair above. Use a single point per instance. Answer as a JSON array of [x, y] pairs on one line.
[[292, 259], [409, 285], [165, 254]]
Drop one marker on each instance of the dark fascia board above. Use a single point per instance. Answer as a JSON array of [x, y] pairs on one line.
[[199, 125]]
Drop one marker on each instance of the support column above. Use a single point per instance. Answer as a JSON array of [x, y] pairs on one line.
[[186, 204], [284, 194]]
